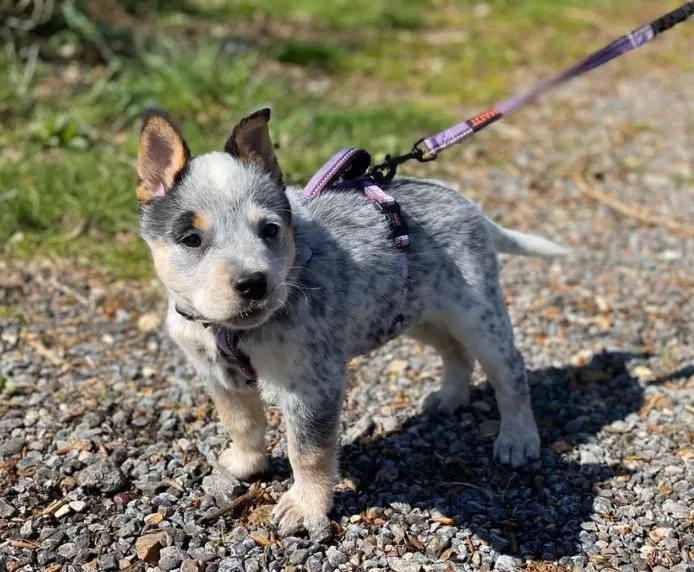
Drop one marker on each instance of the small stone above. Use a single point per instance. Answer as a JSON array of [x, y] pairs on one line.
[[103, 475], [230, 565], [507, 563], [148, 372], [27, 529], [224, 489], [154, 518], [6, 509], [62, 511], [149, 546], [676, 509], [78, 505], [130, 528], [618, 427], [299, 556], [171, 557], [68, 550], [12, 447], [657, 534], [643, 373], [355, 518], [602, 505], [190, 565], [321, 530], [397, 367], [335, 557], [400, 565], [148, 322], [359, 430], [107, 562], [589, 458]]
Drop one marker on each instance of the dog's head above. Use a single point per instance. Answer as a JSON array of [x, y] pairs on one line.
[[219, 224]]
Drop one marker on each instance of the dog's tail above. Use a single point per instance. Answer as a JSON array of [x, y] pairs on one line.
[[514, 242]]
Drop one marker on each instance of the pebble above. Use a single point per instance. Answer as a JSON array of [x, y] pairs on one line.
[[78, 505], [149, 547], [62, 511], [676, 509], [223, 488], [171, 557], [103, 475]]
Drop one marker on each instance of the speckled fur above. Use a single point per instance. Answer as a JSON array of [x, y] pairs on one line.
[[336, 306]]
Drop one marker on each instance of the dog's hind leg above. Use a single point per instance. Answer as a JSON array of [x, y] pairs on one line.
[[241, 412], [485, 330], [458, 365]]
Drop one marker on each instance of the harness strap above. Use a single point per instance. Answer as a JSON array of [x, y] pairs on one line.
[[347, 163]]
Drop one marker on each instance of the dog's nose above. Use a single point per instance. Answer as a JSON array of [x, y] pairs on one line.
[[252, 286]]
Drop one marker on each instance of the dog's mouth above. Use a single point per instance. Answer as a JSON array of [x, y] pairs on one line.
[[249, 317]]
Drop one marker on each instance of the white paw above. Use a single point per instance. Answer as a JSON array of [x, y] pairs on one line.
[[297, 510], [445, 401], [243, 464], [517, 446]]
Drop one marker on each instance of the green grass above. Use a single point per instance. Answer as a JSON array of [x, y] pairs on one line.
[[375, 73]]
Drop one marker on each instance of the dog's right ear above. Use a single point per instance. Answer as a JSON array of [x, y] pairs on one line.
[[161, 155], [250, 142]]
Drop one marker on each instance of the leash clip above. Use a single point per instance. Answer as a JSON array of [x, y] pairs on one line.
[[385, 171]]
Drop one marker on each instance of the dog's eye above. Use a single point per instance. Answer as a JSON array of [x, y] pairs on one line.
[[269, 230], [191, 240]]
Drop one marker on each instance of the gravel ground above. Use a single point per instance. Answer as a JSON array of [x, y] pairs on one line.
[[108, 444]]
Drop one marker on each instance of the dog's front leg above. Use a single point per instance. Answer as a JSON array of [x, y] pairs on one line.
[[241, 412], [312, 421]]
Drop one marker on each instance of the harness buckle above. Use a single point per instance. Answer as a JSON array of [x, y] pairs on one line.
[[398, 226]]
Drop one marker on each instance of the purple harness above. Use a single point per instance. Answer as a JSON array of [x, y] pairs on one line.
[[352, 164]]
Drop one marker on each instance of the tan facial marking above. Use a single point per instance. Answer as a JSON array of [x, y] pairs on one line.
[[160, 256], [200, 222], [255, 215]]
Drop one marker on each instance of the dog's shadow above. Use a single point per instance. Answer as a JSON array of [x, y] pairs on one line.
[[443, 464]]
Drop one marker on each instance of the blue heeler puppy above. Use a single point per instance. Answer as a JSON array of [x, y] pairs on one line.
[[309, 285]]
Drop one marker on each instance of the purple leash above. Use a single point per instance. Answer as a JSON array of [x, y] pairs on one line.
[[427, 149]]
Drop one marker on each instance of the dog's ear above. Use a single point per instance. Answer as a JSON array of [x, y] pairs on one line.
[[161, 155], [250, 142]]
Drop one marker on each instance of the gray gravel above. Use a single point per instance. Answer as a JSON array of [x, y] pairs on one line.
[[108, 443]]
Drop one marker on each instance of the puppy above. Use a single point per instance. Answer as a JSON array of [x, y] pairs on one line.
[[270, 296]]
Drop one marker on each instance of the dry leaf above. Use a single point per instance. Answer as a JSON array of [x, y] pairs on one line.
[[260, 540]]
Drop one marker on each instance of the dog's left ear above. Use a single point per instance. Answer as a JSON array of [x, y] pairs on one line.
[[250, 142]]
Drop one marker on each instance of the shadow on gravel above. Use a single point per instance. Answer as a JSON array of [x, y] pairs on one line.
[[445, 463]]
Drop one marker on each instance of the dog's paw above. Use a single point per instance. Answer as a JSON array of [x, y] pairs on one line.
[[515, 446], [445, 401], [243, 464], [297, 511]]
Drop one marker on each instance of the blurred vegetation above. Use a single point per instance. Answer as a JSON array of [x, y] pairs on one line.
[[377, 73]]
